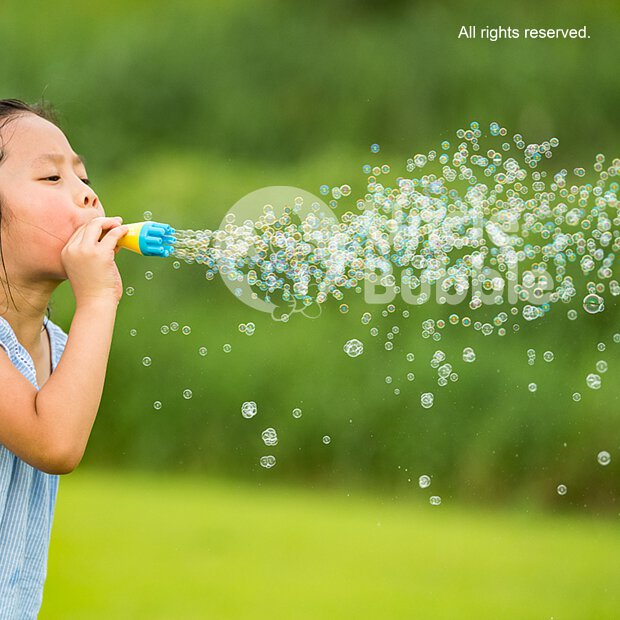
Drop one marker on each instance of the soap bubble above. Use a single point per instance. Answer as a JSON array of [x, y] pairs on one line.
[[326, 439], [603, 457], [353, 347], [148, 275], [593, 303], [410, 376], [186, 329], [427, 399], [435, 500], [375, 148], [130, 290], [593, 381], [147, 215], [532, 387], [388, 379], [270, 436], [297, 412], [203, 351], [572, 314], [249, 409], [157, 405], [176, 264], [562, 489], [146, 360], [174, 326], [601, 346], [227, 348], [576, 397], [410, 357], [469, 355], [267, 461], [187, 394], [164, 329], [548, 356], [133, 332], [601, 366], [424, 481]]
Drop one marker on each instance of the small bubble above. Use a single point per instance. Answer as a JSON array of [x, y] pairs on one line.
[[174, 326], [601, 346], [593, 303], [532, 387], [593, 381], [576, 397], [410, 357], [297, 412], [148, 275], [267, 461], [164, 329], [424, 481], [344, 308], [187, 394], [269, 436], [562, 489], [427, 399], [176, 264], [202, 351], [227, 348], [326, 439], [469, 355], [146, 360], [133, 332], [147, 215], [157, 405], [186, 329], [249, 409], [435, 500], [353, 347], [130, 290], [603, 457], [601, 366], [375, 148], [548, 356]]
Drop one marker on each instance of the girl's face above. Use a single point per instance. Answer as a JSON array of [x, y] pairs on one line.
[[44, 195]]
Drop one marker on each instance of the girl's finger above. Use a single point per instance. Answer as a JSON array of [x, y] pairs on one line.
[[111, 238], [77, 235], [95, 228]]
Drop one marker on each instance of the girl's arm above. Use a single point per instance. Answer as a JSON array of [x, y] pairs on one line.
[[49, 429]]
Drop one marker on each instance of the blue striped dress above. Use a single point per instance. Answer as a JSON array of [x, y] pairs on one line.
[[27, 500]]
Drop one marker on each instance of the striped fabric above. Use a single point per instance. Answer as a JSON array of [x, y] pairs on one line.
[[27, 500]]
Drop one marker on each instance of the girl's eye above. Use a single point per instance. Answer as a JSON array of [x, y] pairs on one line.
[[56, 177]]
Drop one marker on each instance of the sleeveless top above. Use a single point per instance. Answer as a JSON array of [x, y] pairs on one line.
[[27, 500]]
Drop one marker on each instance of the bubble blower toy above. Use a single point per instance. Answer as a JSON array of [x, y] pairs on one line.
[[149, 239]]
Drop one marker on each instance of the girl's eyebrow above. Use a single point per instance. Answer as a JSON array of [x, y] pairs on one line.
[[56, 158]]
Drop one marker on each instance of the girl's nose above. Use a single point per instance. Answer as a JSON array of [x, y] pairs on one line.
[[90, 199]]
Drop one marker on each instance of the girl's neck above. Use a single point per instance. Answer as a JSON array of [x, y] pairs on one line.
[[27, 318]]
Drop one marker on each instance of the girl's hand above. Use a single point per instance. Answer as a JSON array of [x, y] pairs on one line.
[[88, 259]]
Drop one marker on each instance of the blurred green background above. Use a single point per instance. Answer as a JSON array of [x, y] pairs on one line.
[[184, 108]]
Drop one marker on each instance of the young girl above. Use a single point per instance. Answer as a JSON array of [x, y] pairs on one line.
[[52, 228]]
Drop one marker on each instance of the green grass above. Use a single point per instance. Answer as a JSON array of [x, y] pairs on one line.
[[127, 545]]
